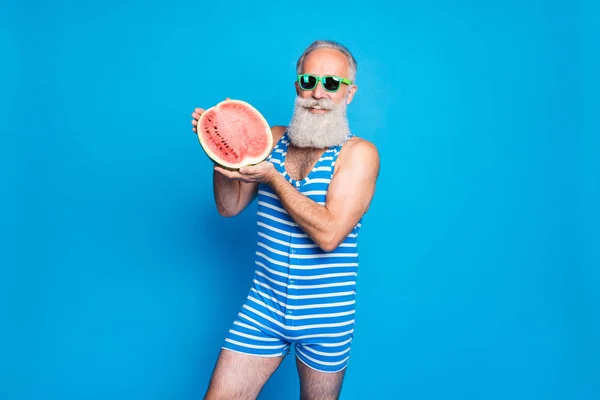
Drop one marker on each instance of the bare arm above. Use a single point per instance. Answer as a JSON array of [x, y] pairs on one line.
[[348, 197], [232, 196]]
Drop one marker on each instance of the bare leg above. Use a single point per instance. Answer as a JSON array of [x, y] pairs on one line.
[[240, 376], [315, 385]]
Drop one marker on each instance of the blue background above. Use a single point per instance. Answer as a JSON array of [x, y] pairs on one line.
[[479, 272]]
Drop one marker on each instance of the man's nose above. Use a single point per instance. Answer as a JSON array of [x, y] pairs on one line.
[[318, 91]]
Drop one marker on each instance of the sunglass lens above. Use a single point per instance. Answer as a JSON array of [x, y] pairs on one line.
[[307, 82], [331, 83]]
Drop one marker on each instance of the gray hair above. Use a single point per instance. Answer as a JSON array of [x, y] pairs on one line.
[[329, 44]]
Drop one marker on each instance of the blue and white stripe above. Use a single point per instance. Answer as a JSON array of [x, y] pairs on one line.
[[300, 294]]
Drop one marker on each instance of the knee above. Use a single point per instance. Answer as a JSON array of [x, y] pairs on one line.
[[215, 392]]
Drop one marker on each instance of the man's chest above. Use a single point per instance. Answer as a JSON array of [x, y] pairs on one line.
[[299, 162]]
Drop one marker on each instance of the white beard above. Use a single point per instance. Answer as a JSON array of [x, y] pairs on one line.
[[318, 130]]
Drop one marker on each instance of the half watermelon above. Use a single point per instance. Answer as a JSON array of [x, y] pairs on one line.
[[234, 134]]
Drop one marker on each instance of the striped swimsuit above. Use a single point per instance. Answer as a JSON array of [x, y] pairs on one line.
[[300, 294]]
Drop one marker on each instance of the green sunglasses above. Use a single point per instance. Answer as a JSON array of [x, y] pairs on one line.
[[330, 83]]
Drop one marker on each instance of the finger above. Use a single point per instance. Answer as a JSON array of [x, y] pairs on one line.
[[194, 122], [229, 174], [199, 110], [252, 169], [249, 169]]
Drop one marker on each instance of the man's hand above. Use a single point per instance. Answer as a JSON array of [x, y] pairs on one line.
[[262, 172], [195, 116]]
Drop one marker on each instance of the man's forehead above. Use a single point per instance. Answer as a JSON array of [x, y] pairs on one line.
[[329, 59]]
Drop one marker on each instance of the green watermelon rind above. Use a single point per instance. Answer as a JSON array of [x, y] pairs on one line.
[[214, 158]]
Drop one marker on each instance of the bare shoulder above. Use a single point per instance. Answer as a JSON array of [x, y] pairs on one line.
[[278, 131], [359, 153], [357, 144]]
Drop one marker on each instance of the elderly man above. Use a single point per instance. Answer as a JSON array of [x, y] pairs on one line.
[[312, 191]]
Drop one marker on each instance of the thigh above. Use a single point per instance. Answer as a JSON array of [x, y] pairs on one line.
[[240, 376], [250, 355], [319, 385], [321, 368]]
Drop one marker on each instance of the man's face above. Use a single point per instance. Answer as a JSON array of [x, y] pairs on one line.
[[319, 119], [323, 62]]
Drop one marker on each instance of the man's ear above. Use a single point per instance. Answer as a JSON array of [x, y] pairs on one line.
[[350, 95]]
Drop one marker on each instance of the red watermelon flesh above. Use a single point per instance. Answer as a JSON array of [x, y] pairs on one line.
[[234, 134]]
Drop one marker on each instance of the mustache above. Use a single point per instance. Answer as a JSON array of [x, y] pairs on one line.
[[324, 103], [318, 130]]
